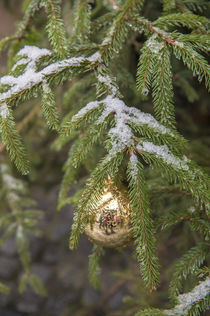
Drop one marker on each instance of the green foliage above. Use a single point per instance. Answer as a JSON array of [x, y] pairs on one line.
[[187, 265], [81, 29], [49, 107], [4, 289], [162, 88], [94, 269], [142, 225], [11, 138], [150, 312], [55, 28], [21, 218], [112, 140]]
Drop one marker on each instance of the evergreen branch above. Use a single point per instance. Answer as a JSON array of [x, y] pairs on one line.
[[200, 225], [142, 223], [31, 55], [23, 247], [182, 169], [32, 8], [194, 61], [187, 265], [12, 140], [188, 304], [188, 301], [189, 20], [4, 288], [145, 70], [168, 6], [77, 154], [49, 107], [103, 21], [174, 141], [24, 122], [69, 176], [82, 85], [163, 89], [150, 312], [81, 28], [200, 306], [20, 221], [92, 135], [55, 27], [108, 167], [90, 112], [94, 269], [191, 217], [106, 84], [194, 5], [200, 42], [119, 29]]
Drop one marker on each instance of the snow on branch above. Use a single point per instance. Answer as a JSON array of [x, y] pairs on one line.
[[121, 134], [163, 153], [187, 300], [31, 77], [133, 163], [4, 111]]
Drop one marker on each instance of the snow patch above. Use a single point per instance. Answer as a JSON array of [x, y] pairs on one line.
[[154, 45], [164, 153], [4, 111], [31, 77], [133, 165], [108, 82], [185, 301]]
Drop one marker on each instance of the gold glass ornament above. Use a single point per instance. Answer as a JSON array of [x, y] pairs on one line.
[[110, 226]]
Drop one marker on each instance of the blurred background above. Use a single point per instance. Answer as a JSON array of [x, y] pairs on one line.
[[64, 272]]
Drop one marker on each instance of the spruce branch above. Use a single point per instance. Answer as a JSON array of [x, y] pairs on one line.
[[187, 265], [11, 138], [145, 70], [31, 55], [81, 30], [189, 176], [24, 122], [70, 173], [150, 312], [163, 89], [78, 152], [194, 5], [4, 288], [189, 303], [55, 27], [21, 220], [143, 230], [119, 29], [189, 20], [49, 107], [168, 6], [94, 269], [194, 61], [32, 8], [190, 216]]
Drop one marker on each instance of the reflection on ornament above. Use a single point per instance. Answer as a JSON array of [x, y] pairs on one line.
[[110, 226]]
